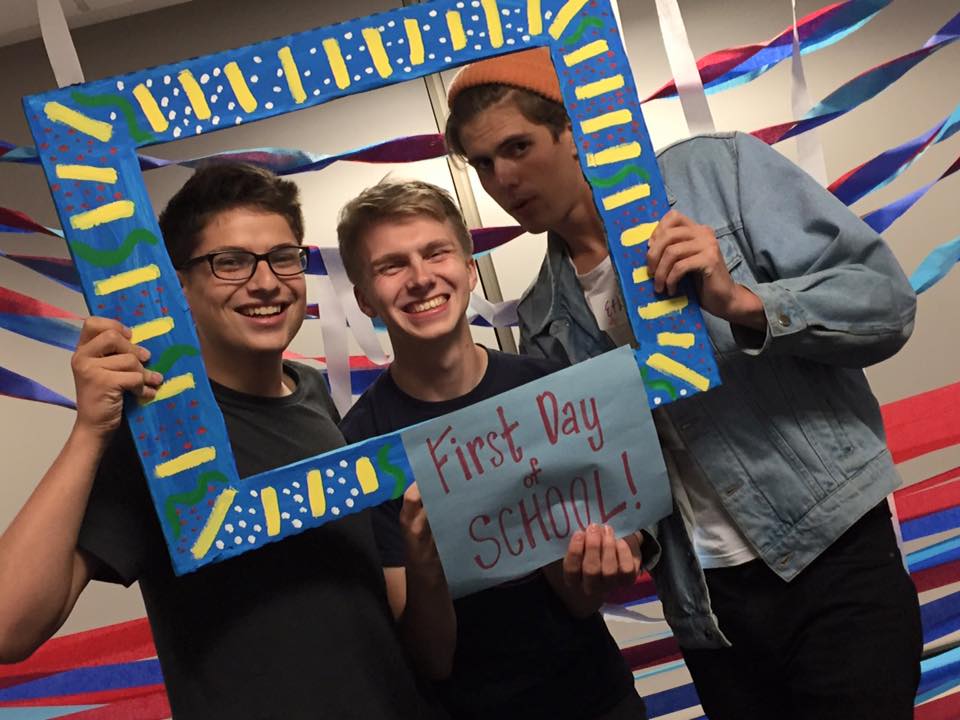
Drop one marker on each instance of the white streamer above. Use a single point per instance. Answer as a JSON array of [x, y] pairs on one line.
[[683, 65], [59, 44], [336, 344], [360, 325], [502, 314], [809, 147]]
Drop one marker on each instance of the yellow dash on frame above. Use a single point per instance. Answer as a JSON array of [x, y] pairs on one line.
[[173, 387], [638, 234], [78, 121], [367, 476], [213, 524], [662, 307], [239, 86], [414, 40], [534, 17], [151, 329], [615, 154], [292, 73], [187, 461], [374, 42], [669, 339], [641, 274], [457, 37], [102, 215], [198, 100], [339, 68], [495, 30], [107, 175], [124, 280], [318, 501], [271, 510], [669, 366], [625, 197], [566, 14], [151, 110], [590, 50], [607, 120], [594, 89]]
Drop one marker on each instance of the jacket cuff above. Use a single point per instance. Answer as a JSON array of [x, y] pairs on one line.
[[784, 315]]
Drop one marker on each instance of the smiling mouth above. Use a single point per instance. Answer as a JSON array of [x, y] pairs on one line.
[[426, 305], [259, 311], [519, 206]]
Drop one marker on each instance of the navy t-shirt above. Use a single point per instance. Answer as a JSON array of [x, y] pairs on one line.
[[520, 653]]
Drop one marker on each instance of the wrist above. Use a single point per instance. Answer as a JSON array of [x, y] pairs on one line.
[[746, 309]]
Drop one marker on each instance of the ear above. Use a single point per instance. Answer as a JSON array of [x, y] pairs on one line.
[[472, 267], [365, 306]]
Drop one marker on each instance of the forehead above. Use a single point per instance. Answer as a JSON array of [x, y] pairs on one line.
[[246, 227], [406, 234], [492, 125]]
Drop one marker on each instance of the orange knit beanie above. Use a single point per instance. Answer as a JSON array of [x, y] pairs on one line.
[[529, 70]]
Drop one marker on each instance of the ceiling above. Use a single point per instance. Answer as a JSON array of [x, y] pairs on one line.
[[18, 18]]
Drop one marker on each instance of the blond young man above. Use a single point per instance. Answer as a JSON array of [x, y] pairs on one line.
[[532, 648], [782, 581]]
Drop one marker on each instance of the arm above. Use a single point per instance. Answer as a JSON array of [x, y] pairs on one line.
[[42, 573], [419, 597], [829, 289], [595, 564]]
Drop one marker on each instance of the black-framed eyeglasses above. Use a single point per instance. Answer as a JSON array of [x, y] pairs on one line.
[[286, 261]]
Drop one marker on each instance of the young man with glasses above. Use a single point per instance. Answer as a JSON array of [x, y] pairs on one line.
[[294, 630]]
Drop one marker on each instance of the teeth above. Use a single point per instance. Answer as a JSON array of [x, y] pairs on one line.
[[429, 304], [261, 311]]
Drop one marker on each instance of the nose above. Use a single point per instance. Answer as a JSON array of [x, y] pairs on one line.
[[505, 173], [421, 274], [263, 277]]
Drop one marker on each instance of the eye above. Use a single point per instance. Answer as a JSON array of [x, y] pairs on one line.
[[482, 164], [231, 261], [438, 253], [519, 147], [389, 269]]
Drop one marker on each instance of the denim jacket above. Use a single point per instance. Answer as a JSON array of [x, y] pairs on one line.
[[792, 440]]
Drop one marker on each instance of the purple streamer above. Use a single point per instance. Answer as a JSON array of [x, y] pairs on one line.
[[17, 386]]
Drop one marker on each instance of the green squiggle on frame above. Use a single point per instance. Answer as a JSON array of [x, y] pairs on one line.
[[620, 176], [661, 385], [170, 356], [108, 258], [190, 497], [121, 104], [582, 28], [400, 480]]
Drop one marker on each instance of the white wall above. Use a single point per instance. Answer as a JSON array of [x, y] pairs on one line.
[[32, 433]]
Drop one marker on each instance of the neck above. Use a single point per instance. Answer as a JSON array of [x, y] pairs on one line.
[[444, 369], [583, 234], [260, 375]]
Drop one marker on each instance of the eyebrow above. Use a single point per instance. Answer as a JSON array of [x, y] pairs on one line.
[[400, 257], [503, 143]]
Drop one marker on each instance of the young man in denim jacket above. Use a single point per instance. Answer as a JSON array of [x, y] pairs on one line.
[[779, 574]]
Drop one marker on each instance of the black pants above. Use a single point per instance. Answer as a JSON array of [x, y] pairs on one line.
[[841, 641]]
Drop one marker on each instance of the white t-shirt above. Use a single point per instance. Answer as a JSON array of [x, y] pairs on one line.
[[716, 540]]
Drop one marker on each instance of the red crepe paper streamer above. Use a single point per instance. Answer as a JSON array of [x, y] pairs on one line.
[[152, 706], [932, 495], [123, 642], [923, 423], [14, 303]]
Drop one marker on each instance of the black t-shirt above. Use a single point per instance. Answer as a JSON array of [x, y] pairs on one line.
[[296, 629], [520, 653]]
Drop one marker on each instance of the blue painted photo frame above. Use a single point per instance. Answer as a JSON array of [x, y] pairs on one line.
[[87, 137]]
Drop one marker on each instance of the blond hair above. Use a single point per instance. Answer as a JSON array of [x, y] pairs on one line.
[[390, 200]]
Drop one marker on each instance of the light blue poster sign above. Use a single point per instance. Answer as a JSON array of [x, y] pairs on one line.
[[507, 484]]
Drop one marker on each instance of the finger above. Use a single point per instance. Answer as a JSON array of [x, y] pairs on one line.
[[94, 325], [573, 560], [412, 495], [672, 254], [626, 563], [680, 270], [609, 553], [111, 342], [592, 567], [666, 239]]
